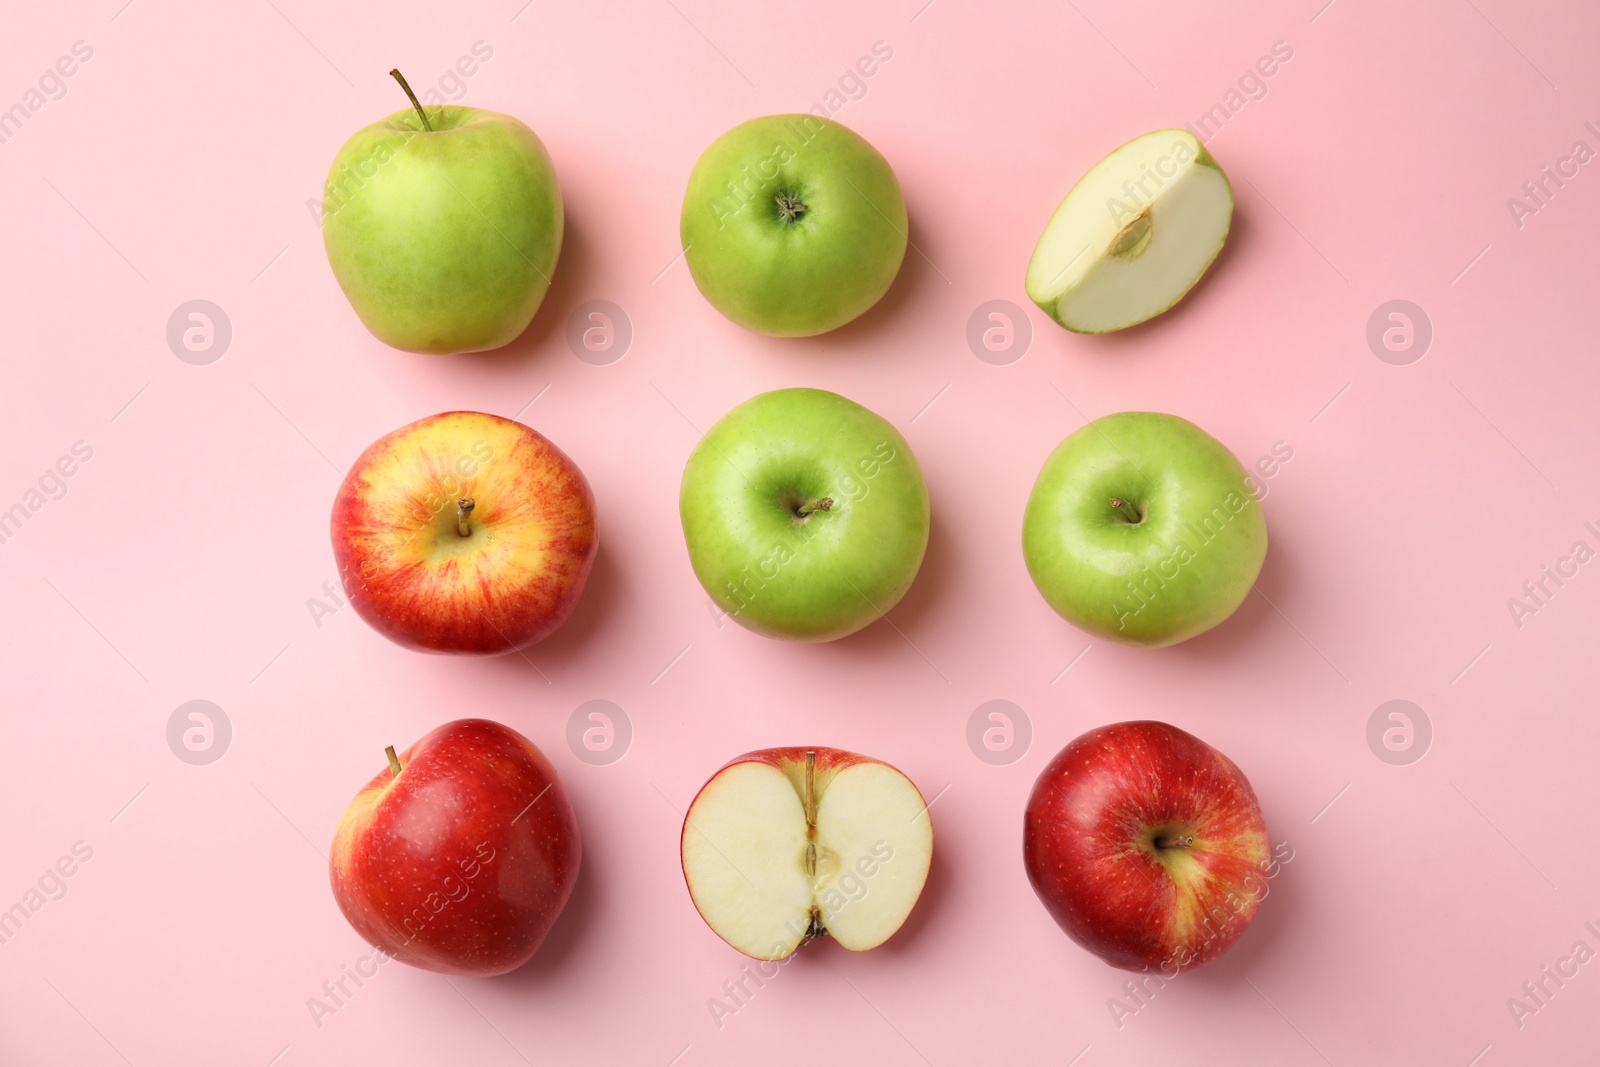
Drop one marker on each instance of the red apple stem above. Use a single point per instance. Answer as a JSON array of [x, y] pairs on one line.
[[401, 78], [1129, 512], [1175, 842], [824, 504], [394, 761], [464, 508]]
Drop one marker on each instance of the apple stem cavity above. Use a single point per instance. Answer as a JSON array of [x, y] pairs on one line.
[[790, 207], [1128, 511], [1175, 842], [401, 78], [464, 508], [394, 760]]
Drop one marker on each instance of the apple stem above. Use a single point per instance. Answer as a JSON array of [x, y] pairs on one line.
[[394, 761], [1175, 842], [790, 206], [401, 78], [1129, 512], [824, 504], [811, 815], [464, 508]]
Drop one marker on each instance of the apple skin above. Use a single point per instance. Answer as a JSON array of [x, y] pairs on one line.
[[1088, 846], [1185, 567], [829, 574], [462, 862], [792, 762], [831, 263], [443, 241], [517, 576]]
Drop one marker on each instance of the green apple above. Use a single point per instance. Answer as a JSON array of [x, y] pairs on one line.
[[443, 226], [1143, 528], [805, 514], [793, 225], [1133, 236]]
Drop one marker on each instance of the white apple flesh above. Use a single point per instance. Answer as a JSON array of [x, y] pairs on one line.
[[1133, 236], [784, 845]]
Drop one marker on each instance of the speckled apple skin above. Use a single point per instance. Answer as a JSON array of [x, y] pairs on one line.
[[393, 529], [462, 863], [1086, 846]]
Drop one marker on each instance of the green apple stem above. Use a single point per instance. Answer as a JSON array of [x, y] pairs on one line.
[[790, 206], [401, 78], [824, 504], [1175, 842], [1129, 512], [394, 761], [464, 508]]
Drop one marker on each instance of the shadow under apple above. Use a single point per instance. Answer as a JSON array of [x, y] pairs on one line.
[[883, 319], [574, 274], [1281, 910], [928, 912], [891, 631], [603, 596], [1238, 636], [576, 924]]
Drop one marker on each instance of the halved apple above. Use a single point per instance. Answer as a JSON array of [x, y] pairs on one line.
[[1133, 236], [788, 844]]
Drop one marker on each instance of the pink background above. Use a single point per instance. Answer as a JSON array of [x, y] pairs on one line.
[[180, 562]]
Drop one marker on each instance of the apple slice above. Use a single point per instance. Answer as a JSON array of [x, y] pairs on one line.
[[1133, 236], [787, 844]]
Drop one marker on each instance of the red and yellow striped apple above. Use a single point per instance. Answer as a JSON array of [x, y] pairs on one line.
[[459, 855], [1147, 847], [464, 532]]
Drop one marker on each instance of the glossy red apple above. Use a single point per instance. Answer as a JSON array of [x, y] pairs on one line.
[[787, 844], [464, 532], [1147, 846], [459, 855]]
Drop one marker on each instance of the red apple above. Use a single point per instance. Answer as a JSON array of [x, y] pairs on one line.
[[464, 532], [459, 855], [1147, 846], [787, 844]]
